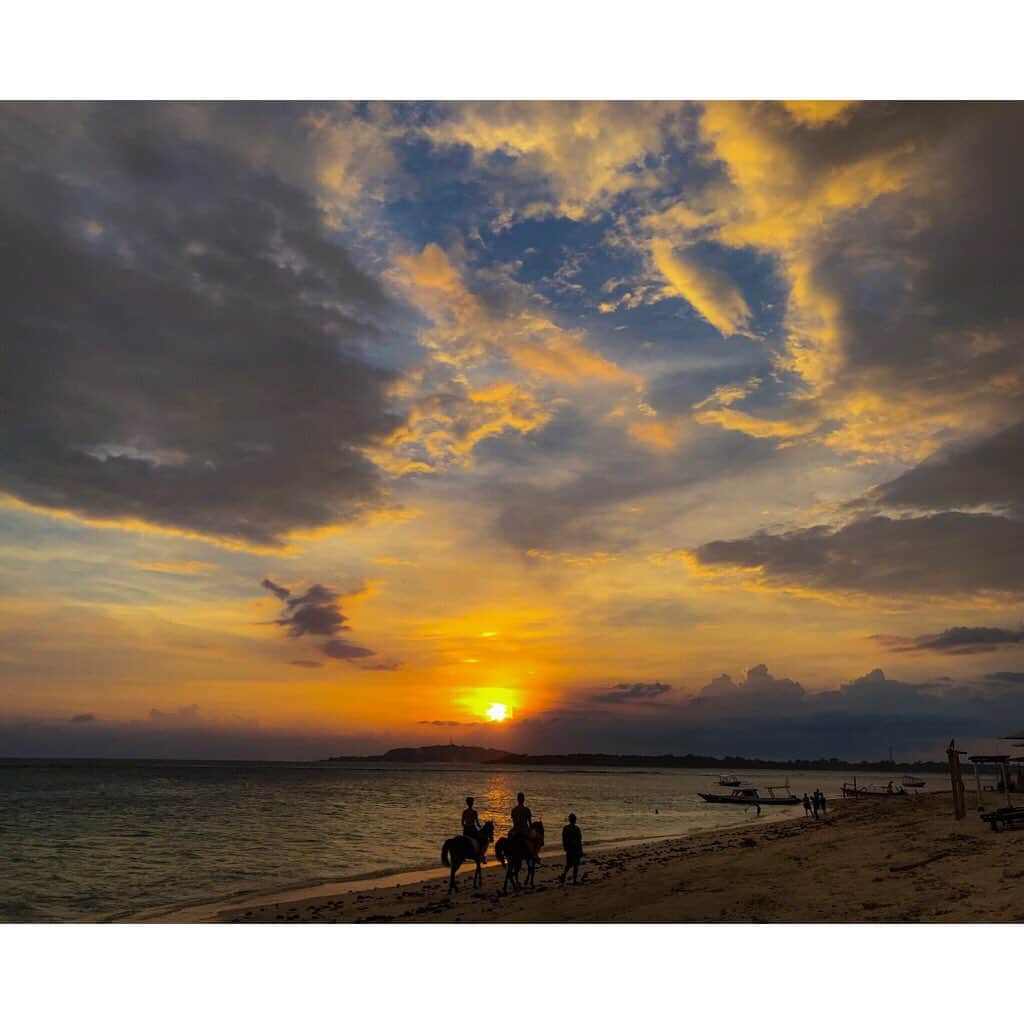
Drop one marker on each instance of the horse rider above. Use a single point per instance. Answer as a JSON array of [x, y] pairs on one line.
[[522, 823], [521, 816], [471, 823]]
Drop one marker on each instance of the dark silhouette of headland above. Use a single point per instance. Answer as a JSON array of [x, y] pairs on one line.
[[450, 753], [447, 753]]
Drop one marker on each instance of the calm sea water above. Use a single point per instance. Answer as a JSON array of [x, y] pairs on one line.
[[87, 841]]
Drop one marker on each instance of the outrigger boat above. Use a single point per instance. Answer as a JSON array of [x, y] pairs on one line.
[[891, 789], [730, 780], [749, 795]]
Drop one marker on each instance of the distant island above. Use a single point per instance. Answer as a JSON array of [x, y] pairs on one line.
[[447, 753], [450, 753]]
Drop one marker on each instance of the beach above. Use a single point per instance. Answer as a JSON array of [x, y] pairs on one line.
[[875, 860]]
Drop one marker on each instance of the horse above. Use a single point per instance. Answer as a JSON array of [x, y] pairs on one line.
[[459, 849], [519, 848]]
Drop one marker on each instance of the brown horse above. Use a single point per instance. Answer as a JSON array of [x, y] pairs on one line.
[[518, 849], [459, 849]]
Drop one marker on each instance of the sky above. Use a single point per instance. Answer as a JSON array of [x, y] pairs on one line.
[[659, 428]]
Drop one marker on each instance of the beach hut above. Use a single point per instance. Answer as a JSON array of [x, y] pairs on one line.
[[1010, 775]]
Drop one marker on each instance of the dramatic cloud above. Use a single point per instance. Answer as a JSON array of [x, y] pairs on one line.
[[960, 640], [317, 612], [622, 692], [986, 473], [896, 231], [946, 553], [184, 338], [82, 719], [758, 684]]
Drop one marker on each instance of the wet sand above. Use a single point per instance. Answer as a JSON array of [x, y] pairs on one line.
[[882, 860]]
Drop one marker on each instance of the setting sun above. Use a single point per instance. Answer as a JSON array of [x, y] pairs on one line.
[[497, 712]]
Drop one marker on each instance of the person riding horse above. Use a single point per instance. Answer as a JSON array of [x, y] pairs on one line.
[[519, 848], [471, 824], [459, 849], [521, 816]]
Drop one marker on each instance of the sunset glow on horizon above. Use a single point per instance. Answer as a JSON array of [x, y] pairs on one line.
[[633, 427]]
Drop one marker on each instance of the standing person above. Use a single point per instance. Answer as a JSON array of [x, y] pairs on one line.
[[521, 816], [807, 806], [816, 803], [822, 798], [572, 843]]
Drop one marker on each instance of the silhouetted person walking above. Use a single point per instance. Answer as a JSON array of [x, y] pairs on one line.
[[816, 803], [821, 797], [807, 806], [572, 843]]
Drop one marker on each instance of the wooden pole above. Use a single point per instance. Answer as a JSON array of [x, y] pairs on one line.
[[959, 805]]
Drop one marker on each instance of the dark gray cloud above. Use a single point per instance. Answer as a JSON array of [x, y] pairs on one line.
[[343, 650], [1006, 677], [623, 692], [184, 341], [306, 663], [82, 719], [282, 593], [758, 684], [959, 640], [986, 472], [439, 723], [947, 553], [317, 612]]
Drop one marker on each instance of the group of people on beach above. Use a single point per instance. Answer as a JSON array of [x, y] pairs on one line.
[[815, 804], [522, 819]]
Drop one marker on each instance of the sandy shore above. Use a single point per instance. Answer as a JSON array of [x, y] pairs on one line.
[[886, 860]]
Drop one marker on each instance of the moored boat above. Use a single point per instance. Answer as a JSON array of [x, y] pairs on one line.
[[730, 780], [912, 782], [890, 789], [751, 795]]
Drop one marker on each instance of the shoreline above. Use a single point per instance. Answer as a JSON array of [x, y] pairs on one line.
[[870, 860], [204, 911]]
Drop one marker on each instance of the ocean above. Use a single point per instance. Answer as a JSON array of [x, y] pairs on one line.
[[106, 840]]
